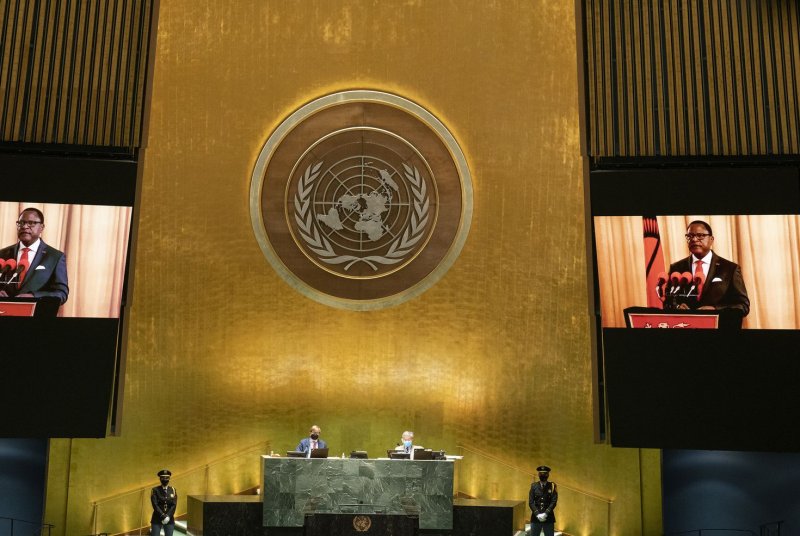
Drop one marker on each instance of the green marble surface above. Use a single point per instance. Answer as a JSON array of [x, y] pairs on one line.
[[293, 486]]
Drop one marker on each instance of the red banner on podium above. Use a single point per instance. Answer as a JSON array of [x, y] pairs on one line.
[[672, 320], [8, 308]]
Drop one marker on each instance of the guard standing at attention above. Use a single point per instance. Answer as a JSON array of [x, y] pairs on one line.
[[164, 499], [542, 501]]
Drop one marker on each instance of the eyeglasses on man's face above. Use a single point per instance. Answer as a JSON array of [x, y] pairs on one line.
[[27, 223], [698, 236]]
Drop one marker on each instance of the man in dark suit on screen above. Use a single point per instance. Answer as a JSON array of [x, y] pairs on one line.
[[46, 272], [723, 289]]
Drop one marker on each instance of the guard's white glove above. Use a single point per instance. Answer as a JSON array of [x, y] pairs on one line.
[[541, 517], [165, 520]]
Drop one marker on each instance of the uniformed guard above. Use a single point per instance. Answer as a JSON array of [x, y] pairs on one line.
[[542, 501], [164, 499]]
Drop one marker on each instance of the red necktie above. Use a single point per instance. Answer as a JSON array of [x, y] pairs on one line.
[[698, 272], [23, 259]]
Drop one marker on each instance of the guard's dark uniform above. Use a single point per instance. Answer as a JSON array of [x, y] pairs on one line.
[[164, 501], [542, 499]]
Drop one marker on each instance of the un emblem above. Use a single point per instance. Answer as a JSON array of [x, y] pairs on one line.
[[362, 523], [361, 200]]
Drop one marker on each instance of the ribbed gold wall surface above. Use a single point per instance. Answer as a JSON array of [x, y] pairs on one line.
[[73, 71], [495, 358], [693, 77]]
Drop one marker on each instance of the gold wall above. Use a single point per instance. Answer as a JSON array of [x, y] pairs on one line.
[[496, 358]]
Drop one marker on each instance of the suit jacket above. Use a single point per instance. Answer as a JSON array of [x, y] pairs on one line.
[[46, 276], [164, 503], [724, 287], [542, 498], [306, 442]]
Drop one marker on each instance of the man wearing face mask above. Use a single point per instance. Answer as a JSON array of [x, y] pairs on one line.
[[307, 444], [164, 499], [407, 444], [542, 501]]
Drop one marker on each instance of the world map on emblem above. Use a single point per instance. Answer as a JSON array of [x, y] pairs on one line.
[[368, 208], [362, 215]]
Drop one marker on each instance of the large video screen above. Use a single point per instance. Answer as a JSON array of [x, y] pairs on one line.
[[711, 247], [751, 267], [66, 240]]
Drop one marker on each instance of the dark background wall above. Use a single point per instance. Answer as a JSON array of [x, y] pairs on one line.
[[22, 473], [730, 490]]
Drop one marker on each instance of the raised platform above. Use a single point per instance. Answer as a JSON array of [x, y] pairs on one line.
[[242, 515], [484, 517], [294, 487], [218, 515]]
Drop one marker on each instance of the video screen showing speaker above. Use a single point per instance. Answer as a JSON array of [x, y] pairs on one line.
[[696, 287], [740, 265], [66, 239], [74, 255]]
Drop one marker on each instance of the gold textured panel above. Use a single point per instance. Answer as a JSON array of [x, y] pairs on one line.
[[496, 357], [689, 77]]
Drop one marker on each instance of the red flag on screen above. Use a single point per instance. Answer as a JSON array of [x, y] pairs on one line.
[[653, 260]]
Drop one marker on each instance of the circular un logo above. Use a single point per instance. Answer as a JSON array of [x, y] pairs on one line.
[[362, 523], [361, 200]]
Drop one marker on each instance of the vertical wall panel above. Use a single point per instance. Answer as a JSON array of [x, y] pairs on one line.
[[692, 77], [73, 71]]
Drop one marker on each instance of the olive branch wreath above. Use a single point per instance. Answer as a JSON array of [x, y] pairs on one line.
[[319, 243]]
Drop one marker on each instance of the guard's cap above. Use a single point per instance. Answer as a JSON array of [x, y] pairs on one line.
[[543, 469], [165, 472]]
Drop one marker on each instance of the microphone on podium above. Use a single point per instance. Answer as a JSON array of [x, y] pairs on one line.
[[21, 267], [697, 284], [674, 282], [686, 278], [8, 268], [662, 279]]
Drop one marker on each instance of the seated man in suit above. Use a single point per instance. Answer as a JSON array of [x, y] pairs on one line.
[[46, 275], [307, 444], [407, 444], [724, 288]]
